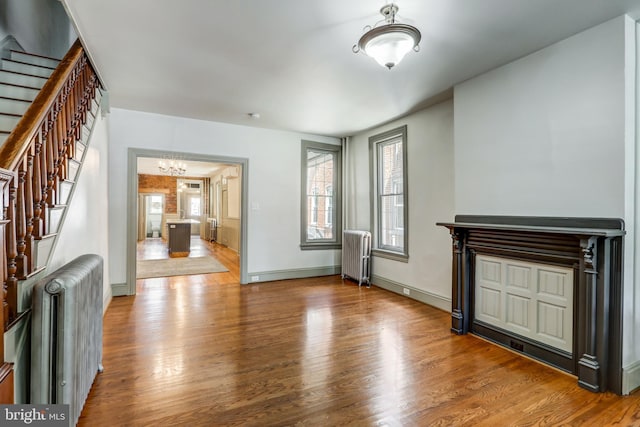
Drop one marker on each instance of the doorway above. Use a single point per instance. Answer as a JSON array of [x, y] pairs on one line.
[[150, 211], [204, 204], [192, 204]]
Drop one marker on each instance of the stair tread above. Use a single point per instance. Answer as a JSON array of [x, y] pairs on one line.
[[11, 115], [27, 63], [35, 272], [34, 54], [9, 98], [35, 76], [46, 236], [20, 86]]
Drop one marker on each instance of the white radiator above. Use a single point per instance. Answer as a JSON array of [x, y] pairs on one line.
[[66, 334], [356, 256]]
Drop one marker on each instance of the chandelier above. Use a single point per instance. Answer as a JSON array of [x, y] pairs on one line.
[[172, 167], [389, 42]]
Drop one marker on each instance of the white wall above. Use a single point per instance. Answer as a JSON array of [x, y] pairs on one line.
[[40, 26], [274, 183], [85, 229], [430, 199], [544, 135]]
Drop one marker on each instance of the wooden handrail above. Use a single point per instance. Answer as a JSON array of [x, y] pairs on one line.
[[35, 159], [15, 145]]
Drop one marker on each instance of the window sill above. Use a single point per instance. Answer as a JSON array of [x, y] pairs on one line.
[[319, 246], [396, 256]]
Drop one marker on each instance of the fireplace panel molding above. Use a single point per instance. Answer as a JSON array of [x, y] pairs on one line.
[[590, 248]]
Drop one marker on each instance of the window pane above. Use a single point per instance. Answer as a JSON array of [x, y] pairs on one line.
[[391, 168], [156, 205], [320, 165], [195, 206], [391, 222], [328, 210], [320, 220], [391, 195]]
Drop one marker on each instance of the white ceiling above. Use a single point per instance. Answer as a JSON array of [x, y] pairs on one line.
[[291, 60]]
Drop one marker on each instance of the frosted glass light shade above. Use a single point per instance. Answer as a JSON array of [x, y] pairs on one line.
[[388, 44], [388, 49]]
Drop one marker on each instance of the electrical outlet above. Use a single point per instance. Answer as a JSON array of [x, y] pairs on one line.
[[255, 278], [406, 291]]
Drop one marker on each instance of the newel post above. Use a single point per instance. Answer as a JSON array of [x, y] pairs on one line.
[[7, 244]]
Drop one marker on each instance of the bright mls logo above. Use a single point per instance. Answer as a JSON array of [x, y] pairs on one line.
[[34, 415]]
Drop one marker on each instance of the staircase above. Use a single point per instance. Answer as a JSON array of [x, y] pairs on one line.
[[47, 114], [22, 75], [40, 158]]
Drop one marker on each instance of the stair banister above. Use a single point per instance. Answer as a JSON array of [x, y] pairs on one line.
[[34, 161]]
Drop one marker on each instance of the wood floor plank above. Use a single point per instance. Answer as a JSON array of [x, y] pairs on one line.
[[204, 350]]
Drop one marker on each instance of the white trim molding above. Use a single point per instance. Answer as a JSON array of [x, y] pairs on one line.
[[630, 378]]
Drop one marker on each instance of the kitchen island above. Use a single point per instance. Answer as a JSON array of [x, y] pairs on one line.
[[179, 237]]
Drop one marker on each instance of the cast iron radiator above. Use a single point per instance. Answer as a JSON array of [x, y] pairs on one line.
[[356, 256], [66, 334]]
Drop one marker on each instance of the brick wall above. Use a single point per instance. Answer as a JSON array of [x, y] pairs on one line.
[[164, 184], [168, 185]]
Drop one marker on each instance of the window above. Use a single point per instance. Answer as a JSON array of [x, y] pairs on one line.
[[320, 198], [194, 208], [389, 193], [155, 206]]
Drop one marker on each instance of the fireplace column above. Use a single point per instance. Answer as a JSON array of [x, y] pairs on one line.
[[460, 290]]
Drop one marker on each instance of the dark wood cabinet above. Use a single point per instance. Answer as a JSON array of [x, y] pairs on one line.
[[179, 240]]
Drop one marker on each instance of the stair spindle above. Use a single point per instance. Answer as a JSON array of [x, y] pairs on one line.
[[36, 183], [21, 225], [28, 209]]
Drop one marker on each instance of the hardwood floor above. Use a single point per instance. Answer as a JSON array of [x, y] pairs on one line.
[[206, 351]]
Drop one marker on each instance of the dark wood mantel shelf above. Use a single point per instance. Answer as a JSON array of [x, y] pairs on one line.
[[590, 247]]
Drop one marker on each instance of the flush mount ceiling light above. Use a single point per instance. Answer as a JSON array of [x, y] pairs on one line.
[[389, 42]]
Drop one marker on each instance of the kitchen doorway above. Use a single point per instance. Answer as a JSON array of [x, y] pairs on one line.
[[208, 205]]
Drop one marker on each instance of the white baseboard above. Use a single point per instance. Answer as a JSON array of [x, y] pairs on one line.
[[106, 300], [434, 300], [119, 289], [630, 378]]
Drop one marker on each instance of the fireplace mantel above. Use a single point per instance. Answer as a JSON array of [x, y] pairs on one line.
[[590, 247]]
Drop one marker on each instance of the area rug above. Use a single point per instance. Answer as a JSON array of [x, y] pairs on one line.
[[182, 266]]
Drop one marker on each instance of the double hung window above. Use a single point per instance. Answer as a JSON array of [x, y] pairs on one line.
[[320, 199], [389, 193]]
